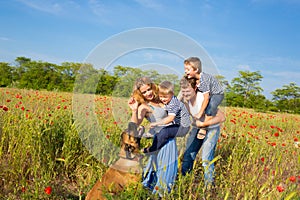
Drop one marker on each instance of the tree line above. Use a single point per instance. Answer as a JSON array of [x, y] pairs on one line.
[[242, 91]]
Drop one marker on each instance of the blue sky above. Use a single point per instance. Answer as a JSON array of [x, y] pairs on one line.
[[255, 35]]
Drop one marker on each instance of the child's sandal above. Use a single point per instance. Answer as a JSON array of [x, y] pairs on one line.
[[201, 134]]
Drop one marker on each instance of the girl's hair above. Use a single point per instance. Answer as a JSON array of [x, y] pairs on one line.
[[139, 83], [166, 87], [186, 82], [194, 62]]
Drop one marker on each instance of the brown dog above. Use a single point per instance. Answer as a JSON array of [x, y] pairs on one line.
[[124, 171]]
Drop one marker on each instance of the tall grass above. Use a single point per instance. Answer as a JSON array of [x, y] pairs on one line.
[[53, 140]]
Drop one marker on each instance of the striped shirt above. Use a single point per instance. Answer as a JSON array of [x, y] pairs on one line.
[[209, 83], [177, 108]]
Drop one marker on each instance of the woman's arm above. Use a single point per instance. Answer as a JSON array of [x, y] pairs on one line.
[[138, 111]]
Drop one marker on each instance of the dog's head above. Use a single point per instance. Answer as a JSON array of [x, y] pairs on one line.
[[130, 141]]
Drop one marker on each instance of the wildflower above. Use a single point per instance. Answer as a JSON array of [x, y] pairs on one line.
[[295, 139], [272, 126], [293, 178], [23, 189], [276, 134], [280, 188], [156, 188], [233, 121], [252, 126], [262, 159], [5, 108], [279, 129], [48, 190]]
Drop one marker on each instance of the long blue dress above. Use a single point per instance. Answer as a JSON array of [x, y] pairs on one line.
[[160, 172]]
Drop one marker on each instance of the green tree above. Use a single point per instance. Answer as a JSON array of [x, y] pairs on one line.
[[6, 72], [86, 79], [247, 85], [106, 83], [68, 72], [287, 98], [125, 81]]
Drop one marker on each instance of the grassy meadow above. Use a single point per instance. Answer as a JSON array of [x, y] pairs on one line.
[[55, 146]]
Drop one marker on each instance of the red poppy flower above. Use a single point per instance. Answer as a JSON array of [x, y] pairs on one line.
[[272, 126], [293, 178], [5, 108], [262, 159], [276, 134], [48, 190], [252, 126], [280, 188]]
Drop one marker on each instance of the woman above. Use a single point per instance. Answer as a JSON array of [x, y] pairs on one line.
[[160, 172], [194, 101]]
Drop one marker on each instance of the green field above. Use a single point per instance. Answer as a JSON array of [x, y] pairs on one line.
[[55, 146]]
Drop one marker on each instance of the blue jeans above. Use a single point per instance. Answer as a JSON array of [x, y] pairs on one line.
[[214, 101], [208, 144], [163, 136]]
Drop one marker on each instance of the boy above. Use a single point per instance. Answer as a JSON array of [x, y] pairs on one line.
[[178, 117], [207, 84]]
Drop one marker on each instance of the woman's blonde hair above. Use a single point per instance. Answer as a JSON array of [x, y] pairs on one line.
[[139, 83]]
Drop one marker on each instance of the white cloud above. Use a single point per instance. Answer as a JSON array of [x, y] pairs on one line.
[[284, 75], [4, 39], [98, 8], [150, 4], [52, 7]]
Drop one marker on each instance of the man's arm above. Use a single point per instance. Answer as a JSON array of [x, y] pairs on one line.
[[219, 118]]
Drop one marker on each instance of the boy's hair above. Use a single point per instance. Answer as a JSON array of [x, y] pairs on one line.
[[194, 62], [166, 87], [186, 82]]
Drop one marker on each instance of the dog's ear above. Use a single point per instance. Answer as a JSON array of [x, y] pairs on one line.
[[132, 129]]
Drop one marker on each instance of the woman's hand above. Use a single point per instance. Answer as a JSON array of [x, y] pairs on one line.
[[133, 104]]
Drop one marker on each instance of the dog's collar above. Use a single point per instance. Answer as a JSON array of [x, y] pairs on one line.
[[126, 165], [135, 158]]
